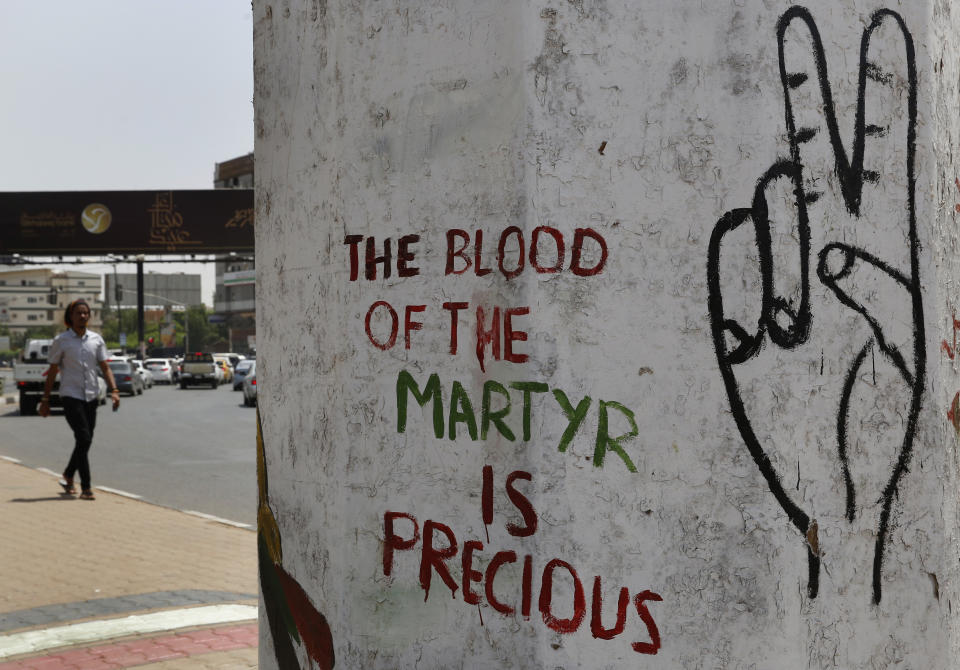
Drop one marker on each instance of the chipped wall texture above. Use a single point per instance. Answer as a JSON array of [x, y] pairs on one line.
[[608, 334]]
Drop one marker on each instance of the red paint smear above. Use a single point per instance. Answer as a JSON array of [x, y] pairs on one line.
[[953, 414], [313, 627]]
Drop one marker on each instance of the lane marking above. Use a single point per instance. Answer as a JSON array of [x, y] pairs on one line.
[[134, 496], [218, 519], [33, 641], [125, 494]]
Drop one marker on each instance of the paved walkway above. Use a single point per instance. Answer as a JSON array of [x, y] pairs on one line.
[[119, 583]]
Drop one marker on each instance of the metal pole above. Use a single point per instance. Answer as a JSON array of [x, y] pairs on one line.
[[117, 298], [141, 345]]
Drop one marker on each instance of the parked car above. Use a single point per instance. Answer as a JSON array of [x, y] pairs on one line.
[[161, 369], [250, 387], [127, 377], [234, 359], [240, 372], [224, 364], [144, 373]]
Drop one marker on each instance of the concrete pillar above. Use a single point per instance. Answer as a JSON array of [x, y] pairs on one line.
[[607, 334]]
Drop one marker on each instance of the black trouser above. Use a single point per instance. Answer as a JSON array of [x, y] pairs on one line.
[[82, 417]]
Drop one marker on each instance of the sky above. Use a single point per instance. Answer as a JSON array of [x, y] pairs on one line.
[[124, 94]]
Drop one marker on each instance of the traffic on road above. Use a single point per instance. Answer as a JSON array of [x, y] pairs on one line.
[[191, 447]]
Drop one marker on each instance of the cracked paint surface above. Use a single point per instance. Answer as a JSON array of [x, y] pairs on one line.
[[507, 424]]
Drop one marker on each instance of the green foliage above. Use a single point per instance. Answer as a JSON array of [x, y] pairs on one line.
[[202, 334]]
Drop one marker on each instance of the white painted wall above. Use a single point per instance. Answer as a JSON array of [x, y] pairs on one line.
[[645, 122]]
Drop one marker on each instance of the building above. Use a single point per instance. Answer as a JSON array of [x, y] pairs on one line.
[[235, 296], [159, 290], [36, 298]]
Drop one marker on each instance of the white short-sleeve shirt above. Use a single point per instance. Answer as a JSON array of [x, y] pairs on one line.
[[78, 357]]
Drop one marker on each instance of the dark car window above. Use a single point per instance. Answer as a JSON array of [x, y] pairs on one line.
[[121, 367], [198, 358], [243, 366]]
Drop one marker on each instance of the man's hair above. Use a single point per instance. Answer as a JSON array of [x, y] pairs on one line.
[[69, 312]]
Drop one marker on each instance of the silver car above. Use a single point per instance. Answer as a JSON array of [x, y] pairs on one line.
[[161, 369], [240, 373], [250, 386], [144, 373]]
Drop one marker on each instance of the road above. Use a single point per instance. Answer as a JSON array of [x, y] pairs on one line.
[[192, 449]]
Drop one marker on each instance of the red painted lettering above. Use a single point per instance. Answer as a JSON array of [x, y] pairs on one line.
[[546, 598], [535, 249], [499, 559], [526, 596], [395, 325], [477, 251], [486, 502], [523, 505], [433, 558], [510, 335], [596, 612], [453, 308], [579, 235], [372, 260], [469, 574], [485, 337], [393, 542], [654, 645], [404, 256], [501, 252], [451, 253], [354, 242], [409, 324]]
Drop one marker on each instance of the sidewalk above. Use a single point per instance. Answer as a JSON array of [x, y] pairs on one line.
[[119, 583]]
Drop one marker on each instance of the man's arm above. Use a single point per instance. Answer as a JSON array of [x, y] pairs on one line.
[[51, 376], [111, 384]]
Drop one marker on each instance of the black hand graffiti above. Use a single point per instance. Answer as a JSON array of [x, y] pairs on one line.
[[876, 201]]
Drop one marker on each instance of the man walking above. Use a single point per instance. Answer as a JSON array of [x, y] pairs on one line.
[[76, 354]]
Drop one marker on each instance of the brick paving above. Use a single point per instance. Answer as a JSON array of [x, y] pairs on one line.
[[202, 649], [66, 560]]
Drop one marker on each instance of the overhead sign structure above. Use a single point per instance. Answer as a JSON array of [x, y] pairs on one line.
[[126, 222]]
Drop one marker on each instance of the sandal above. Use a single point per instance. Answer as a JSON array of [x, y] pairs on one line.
[[67, 485], [87, 495]]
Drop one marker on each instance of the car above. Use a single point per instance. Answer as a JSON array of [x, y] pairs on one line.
[[126, 375], [161, 369], [250, 387], [239, 372], [144, 373], [224, 363], [199, 368]]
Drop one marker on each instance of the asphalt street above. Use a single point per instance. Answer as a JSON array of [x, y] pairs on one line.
[[192, 449]]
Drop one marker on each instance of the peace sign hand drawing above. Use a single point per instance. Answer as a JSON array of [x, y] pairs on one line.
[[814, 293]]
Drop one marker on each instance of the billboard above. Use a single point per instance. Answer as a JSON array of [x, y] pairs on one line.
[[126, 222]]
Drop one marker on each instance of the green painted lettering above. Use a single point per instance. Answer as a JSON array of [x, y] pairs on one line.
[[528, 388], [461, 411], [496, 418], [574, 416], [406, 383], [604, 441]]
